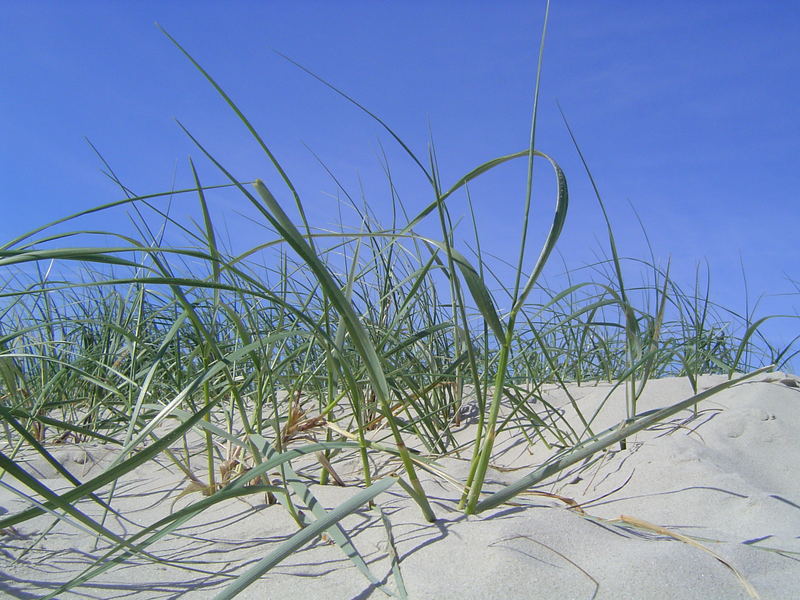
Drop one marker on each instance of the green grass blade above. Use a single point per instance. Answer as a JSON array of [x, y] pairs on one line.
[[477, 287], [304, 493], [604, 440], [302, 537], [358, 334]]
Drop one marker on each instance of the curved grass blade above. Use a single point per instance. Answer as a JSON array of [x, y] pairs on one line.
[[477, 287], [358, 335], [393, 556], [162, 528], [165, 526], [253, 131], [642, 524], [380, 121], [302, 537], [560, 216], [54, 500], [336, 532], [147, 453], [746, 339], [604, 440], [102, 207], [111, 475]]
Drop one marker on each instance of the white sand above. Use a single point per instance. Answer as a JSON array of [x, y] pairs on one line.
[[728, 479]]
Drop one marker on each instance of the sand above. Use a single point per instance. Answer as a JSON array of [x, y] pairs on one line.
[[725, 478]]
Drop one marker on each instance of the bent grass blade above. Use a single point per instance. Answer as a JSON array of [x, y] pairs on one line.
[[302, 537], [604, 440]]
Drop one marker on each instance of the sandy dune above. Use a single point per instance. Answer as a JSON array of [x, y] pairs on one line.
[[727, 478]]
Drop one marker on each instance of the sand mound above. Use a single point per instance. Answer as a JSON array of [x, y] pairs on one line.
[[726, 478]]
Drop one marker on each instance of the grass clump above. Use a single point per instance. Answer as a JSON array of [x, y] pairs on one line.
[[311, 345]]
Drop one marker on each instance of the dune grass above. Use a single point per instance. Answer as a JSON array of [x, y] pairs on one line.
[[309, 343]]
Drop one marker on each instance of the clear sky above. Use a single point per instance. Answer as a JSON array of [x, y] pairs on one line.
[[687, 111]]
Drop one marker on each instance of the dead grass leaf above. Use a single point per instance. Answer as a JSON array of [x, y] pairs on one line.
[[687, 540]]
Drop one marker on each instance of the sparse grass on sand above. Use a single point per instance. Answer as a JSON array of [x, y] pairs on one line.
[[372, 345]]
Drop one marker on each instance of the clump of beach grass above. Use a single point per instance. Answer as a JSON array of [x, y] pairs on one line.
[[308, 344]]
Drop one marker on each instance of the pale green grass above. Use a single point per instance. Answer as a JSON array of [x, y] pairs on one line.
[[354, 328]]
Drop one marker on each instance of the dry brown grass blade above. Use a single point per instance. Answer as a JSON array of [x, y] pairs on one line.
[[375, 423], [687, 540], [194, 486], [556, 552], [298, 423], [420, 463], [326, 464], [568, 501]]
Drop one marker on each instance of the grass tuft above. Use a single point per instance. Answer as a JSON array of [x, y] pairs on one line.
[[369, 343]]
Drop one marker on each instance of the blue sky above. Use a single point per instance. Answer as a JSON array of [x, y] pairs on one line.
[[687, 111]]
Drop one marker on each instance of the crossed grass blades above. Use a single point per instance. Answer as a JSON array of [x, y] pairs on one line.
[[306, 345]]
